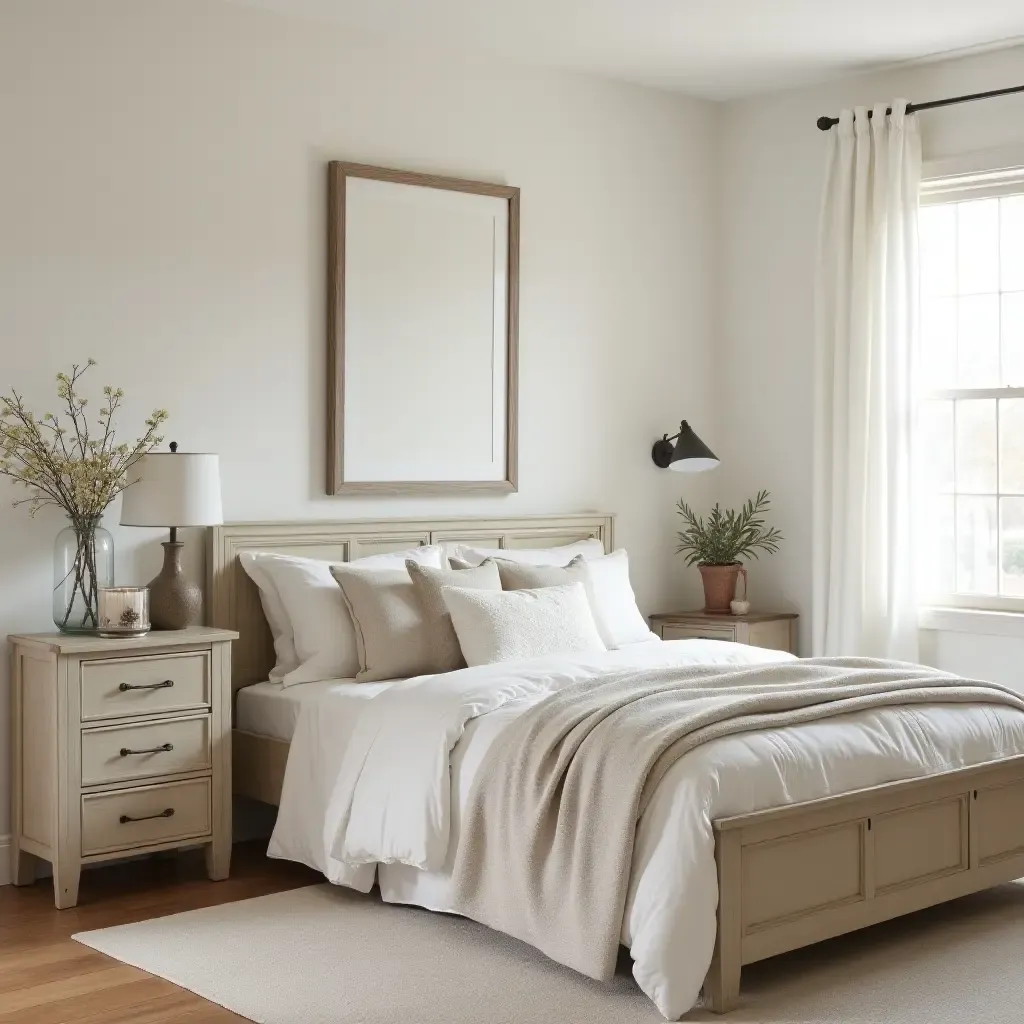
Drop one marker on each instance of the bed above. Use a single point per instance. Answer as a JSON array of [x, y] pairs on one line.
[[788, 876], [259, 758]]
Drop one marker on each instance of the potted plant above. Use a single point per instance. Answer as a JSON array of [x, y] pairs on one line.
[[717, 546], [61, 463]]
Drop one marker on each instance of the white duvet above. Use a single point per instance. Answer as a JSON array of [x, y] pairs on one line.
[[376, 787]]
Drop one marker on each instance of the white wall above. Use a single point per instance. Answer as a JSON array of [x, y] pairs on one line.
[[162, 203], [772, 158]]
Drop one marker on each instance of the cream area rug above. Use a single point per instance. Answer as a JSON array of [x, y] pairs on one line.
[[324, 955]]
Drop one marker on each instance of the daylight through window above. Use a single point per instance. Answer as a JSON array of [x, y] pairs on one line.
[[971, 370]]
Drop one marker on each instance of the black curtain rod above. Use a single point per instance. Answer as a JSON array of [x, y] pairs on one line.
[[824, 123]]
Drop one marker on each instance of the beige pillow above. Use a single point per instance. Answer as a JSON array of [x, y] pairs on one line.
[[446, 654], [606, 581], [512, 625], [392, 637], [515, 576]]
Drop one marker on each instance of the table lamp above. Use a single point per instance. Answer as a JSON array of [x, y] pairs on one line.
[[173, 489]]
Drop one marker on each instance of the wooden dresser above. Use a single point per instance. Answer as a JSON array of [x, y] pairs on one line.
[[776, 630], [120, 747]]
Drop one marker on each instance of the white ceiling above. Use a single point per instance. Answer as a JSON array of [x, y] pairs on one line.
[[713, 48]]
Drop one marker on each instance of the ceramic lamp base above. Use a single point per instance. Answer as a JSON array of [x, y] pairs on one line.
[[175, 602]]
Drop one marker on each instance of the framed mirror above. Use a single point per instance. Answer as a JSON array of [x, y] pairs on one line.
[[422, 333]]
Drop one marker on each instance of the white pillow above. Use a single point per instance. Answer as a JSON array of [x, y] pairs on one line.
[[613, 600], [510, 625], [591, 548], [318, 620], [274, 611]]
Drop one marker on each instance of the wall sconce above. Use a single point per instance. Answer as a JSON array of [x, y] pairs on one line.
[[689, 454]]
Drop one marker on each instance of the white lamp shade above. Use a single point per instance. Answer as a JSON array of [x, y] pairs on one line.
[[173, 489]]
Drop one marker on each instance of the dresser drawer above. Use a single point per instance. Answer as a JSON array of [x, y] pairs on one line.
[[116, 753], [776, 636], [143, 686], [698, 633], [130, 818]]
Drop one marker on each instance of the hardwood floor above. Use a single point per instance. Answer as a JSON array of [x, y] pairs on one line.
[[48, 978]]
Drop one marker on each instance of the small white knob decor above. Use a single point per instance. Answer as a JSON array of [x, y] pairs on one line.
[[739, 607]]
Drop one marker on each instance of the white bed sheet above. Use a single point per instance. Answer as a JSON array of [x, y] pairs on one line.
[[270, 709], [669, 922]]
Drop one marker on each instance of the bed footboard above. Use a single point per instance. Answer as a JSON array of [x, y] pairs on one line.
[[800, 874]]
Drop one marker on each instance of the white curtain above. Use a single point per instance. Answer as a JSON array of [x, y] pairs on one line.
[[867, 302]]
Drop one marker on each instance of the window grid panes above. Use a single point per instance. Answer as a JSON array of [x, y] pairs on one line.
[[971, 426]]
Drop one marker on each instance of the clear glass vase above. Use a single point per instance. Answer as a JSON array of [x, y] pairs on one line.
[[83, 561]]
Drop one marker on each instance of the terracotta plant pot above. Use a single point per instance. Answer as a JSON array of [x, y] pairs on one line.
[[719, 586]]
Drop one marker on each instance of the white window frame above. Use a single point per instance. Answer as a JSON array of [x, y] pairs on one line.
[[978, 176]]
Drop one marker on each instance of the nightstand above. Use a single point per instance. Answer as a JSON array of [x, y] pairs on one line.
[[776, 630], [120, 747]]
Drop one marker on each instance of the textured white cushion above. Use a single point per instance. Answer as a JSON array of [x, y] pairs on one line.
[[319, 624], [495, 626], [530, 556]]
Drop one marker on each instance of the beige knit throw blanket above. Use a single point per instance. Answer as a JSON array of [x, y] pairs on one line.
[[546, 841]]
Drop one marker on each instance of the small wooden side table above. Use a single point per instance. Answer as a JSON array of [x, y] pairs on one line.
[[775, 630], [121, 747]]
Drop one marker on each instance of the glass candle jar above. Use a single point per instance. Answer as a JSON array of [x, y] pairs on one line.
[[123, 611]]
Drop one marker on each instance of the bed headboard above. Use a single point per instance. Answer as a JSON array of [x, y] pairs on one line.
[[233, 600]]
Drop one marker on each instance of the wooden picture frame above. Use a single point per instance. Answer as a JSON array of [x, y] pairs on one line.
[[501, 476]]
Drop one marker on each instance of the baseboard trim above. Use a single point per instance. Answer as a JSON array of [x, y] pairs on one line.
[[5, 860]]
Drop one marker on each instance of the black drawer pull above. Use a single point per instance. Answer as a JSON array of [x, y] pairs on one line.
[[167, 812], [125, 687], [165, 747]]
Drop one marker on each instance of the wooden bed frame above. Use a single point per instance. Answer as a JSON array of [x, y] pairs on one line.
[[788, 877], [796, 875]]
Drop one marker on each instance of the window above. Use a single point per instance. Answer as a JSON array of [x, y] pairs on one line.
[[970, 443]]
